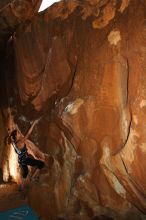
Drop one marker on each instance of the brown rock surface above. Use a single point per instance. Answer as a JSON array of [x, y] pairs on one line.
[[10, 197], [12, 13], [81, 66]]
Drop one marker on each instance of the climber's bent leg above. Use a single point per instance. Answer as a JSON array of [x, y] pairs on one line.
[[36, 163], [24, 170]]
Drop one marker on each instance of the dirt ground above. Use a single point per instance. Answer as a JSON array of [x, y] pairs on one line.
[[10, 196]]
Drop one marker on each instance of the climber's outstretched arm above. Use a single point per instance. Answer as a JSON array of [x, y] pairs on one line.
[[31, 128], [35, 151]]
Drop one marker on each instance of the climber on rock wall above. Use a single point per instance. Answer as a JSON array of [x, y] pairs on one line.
[[25, 155], [30, 156], [24, 158]]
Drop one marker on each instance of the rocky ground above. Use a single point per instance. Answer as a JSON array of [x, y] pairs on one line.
[[10, 197]]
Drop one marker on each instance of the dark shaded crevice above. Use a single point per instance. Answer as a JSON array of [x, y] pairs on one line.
[[127, 102], [128, 76], [72, 80], [127, 108], [128, 133], [124, 165], [126, 141]]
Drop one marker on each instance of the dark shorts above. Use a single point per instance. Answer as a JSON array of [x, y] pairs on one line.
[[30, 162]]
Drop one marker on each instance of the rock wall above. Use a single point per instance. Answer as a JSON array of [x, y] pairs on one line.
[[12, 14], [81, 66]]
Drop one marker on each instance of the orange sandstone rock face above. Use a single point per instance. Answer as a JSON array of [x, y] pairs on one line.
[[81, 65]]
